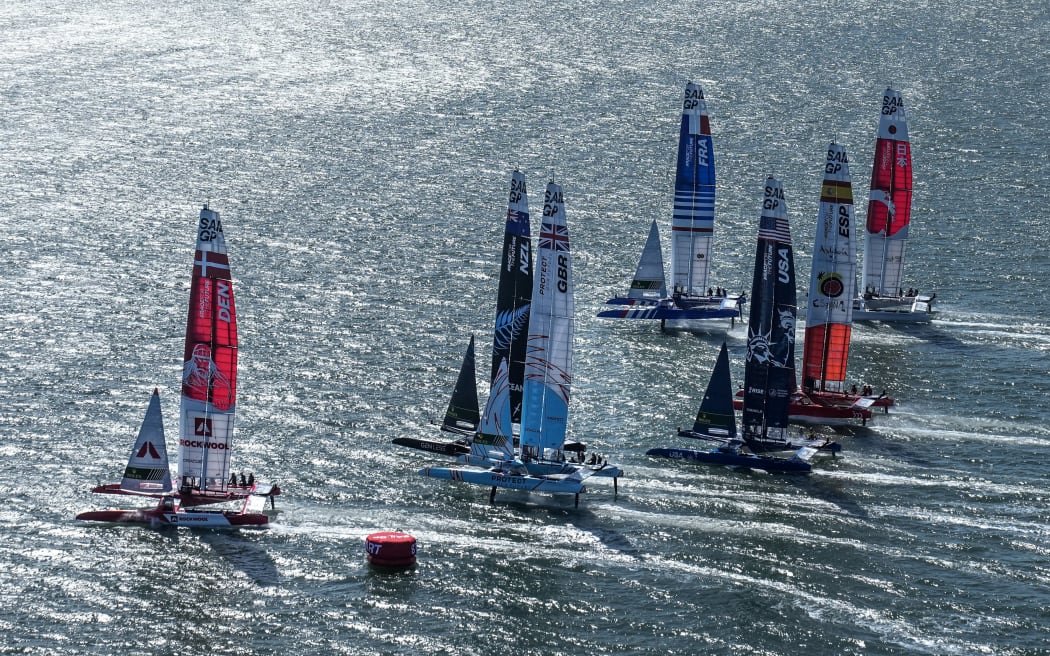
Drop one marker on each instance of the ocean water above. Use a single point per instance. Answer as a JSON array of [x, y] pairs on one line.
[[359, 153]]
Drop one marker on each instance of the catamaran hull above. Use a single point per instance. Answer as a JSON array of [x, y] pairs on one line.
[[197, 498], [192, 518], [896, 316], [441, 447], [510, 481], [714, 307], [814, 414], [843, 400], [737, 460]]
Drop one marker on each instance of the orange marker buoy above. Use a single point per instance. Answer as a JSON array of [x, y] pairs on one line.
[[391, 549]]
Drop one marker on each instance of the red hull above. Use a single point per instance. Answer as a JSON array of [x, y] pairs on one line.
[[804, 411], [198, 518], [188, 500], [842, 399]]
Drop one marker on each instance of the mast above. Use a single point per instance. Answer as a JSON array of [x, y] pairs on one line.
[[515, 294], [770, 365], [832, 279], [692, 226], [548, 363], [889, 203], [209, 378]]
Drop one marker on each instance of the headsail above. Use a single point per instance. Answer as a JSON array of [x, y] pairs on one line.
[[147, 471], [463, 413], [649, 282], [716, 417], [770, 368], [209, 374], [889, 204], [548, 363], [694, 197], [832, 280], [515, 293]]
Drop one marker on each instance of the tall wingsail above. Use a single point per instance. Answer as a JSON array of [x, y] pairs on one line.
[[889, 204], [694, 197], [770, 367], [515, 294], [147, 471], [829, 317], [649, 282], [209, 374], [548, 362]]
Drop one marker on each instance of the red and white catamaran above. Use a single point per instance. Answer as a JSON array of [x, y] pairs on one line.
[[889, 216], [207, 410]]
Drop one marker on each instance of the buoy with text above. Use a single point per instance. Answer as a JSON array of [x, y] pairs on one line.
[[391, 549]]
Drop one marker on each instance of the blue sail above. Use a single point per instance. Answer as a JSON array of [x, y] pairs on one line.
[[716, 417], [693, 223]]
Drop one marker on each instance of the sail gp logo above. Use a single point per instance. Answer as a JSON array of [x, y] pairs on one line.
[[202, 427]]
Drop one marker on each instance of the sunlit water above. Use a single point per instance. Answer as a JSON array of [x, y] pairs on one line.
[[359, 154]]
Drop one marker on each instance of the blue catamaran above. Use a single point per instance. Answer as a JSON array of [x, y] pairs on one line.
[[770, 365], [692, 229]]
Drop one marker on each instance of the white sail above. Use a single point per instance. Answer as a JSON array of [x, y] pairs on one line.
[[548, 362], [649, 282], [148, 471], [494, 440]]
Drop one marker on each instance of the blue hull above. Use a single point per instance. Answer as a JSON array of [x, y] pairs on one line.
[[499, 479], [659, 313], [745, 461]]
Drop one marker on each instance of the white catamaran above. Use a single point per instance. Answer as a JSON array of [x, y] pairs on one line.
[[692, 229], [889, 216]]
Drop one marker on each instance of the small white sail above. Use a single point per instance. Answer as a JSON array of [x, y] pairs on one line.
[[147, 471], [649, 282]]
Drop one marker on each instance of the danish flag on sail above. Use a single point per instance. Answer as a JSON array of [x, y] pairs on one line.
[[209, 374]]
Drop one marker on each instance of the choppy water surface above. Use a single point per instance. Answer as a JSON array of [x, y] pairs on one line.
[[359, 153]]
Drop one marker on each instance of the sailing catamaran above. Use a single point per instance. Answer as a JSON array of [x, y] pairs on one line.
[[829, 318], [691, 234], [716, 422], [207, 409], [770, 366], [509, 336], [889, 215], [541, 465]]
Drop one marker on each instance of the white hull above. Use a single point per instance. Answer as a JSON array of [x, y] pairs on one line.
[[908, 310]]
